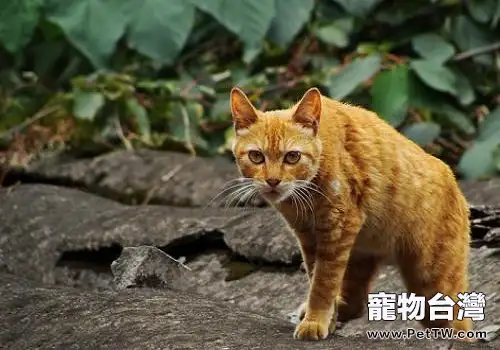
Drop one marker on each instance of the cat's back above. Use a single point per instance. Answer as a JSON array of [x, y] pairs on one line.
[[375, 137], [396, 175]]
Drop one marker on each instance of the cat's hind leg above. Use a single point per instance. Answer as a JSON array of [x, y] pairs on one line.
[[439, 267]]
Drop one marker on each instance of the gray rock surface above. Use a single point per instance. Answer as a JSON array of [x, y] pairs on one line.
[[35, 316], [173, 178], [135, 177], [243, 258], [146, 266], [493, 237], [43, 221], [485, 225], [58, 220], [485, 192], [278, 292]]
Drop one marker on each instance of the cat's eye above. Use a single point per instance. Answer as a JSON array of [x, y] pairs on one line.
[[292, 157], [256, 157]]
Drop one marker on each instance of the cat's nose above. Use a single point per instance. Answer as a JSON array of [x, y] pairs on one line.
[[273, 182]]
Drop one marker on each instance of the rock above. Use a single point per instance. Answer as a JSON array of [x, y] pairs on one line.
[[493, 331], [41, 223], [172, 178], [485, 192], [146, 266], [485, 225], [37, 316], [492, 238], [142, 176], [270, 290], [3, 265], [83, 277], [266, 238]]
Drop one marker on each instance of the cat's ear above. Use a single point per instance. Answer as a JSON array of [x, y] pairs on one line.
[[308, 110], [244, 113]]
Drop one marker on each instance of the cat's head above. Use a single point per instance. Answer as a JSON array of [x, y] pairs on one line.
[[277, 151]]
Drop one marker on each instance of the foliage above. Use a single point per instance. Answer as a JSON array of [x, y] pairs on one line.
[[97, 74]]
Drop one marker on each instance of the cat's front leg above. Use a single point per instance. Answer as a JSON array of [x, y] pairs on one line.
[[333, 247], [307, 244]]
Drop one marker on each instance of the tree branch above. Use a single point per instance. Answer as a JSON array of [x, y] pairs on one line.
[[477, 51]]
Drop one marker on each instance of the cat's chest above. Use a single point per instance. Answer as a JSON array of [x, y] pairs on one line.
[[372, 239]]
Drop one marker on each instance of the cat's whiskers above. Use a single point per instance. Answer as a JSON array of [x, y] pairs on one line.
[[236, 195], [307, 200], [299, 206], [311, 198], [313, 187], [250, 197], [241, 181], [302, 201], [304, 189], [294, 203]]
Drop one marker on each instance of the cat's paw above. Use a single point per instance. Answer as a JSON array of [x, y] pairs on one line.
[[300, 313], [311, 330]]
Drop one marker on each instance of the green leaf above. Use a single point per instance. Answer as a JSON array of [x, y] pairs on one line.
[[443, 79], [283, 30], [433, 47], [496, 15], [92, 26], [141, 117], [435, 75], [47, 53], [424, 98], [481, 10], [220, 110], [184, 125], [490, 125], [161, 28], [422, 133], [390, 94], [250, 52], [358, 71], [468, 36], [18, 20], [87, 104], [331, 34], [397, 13], [456, 117], [359, 8], [480, 159], [229, 136], [477, 162], [248, 19], [465, 92]]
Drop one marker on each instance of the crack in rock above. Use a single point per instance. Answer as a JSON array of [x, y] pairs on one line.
[[42, 221]]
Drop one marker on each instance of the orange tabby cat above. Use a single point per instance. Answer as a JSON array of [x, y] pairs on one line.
[[356, 193]]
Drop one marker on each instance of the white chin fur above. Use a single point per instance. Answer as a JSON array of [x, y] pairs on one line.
[[278, 197]]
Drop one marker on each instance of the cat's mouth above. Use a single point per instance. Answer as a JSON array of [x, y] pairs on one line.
[[271, 192], [275, 194]]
